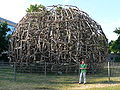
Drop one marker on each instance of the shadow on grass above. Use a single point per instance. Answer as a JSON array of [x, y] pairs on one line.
[[104, 82], [76, 82], [46, 81], [53, 80], [43, 88], [64, 82]]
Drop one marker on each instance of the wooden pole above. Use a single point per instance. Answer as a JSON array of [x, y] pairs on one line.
[[14, 71], [78, 70], [45, 69], [108, 71]]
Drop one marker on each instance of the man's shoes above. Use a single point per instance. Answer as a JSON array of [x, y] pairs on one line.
[[81, 83]]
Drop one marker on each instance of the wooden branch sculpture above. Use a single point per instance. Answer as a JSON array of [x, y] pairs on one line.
[[59, 35]]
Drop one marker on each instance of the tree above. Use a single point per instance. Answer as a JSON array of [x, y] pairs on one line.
[[117, 31], [114, 46], [35, 8], [4, 38]]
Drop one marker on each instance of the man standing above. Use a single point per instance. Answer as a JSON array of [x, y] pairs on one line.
[[83, 68]]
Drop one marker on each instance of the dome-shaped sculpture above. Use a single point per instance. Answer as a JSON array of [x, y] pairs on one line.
[[58, 34]]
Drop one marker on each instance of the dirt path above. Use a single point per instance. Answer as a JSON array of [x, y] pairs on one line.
[[88, 86]]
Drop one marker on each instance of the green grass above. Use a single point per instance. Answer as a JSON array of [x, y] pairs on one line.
[[27, 81]]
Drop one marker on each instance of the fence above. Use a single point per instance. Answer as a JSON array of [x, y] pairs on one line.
[[115, 69], [14, 71], [6, 71]]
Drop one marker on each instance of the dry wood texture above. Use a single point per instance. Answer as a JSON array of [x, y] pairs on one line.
[[59, 35]]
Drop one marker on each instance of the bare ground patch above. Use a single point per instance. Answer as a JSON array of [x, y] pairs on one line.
[[94, 85]]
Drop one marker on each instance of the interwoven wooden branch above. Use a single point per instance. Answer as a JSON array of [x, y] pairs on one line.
[[59, 34]]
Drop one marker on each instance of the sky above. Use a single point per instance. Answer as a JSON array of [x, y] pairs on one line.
[[105, 12]]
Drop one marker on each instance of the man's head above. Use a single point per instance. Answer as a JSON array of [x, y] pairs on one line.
[[82, 62]]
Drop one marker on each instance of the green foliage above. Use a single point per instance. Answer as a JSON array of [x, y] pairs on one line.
[[114, 46], [117, 59], [117, 31], [35, 8], [58, 9], [4, 38]]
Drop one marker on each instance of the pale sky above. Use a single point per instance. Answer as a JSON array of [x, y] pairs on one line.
[[105, 12]]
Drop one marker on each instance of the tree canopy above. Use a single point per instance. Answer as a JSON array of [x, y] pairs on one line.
[[4, 37], [35, 8], [117, 31], [114, 46]]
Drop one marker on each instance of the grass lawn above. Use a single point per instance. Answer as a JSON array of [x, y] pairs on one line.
[[53, 82], [27, 81]]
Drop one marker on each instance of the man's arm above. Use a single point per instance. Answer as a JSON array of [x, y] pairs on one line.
[[83, 68]]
